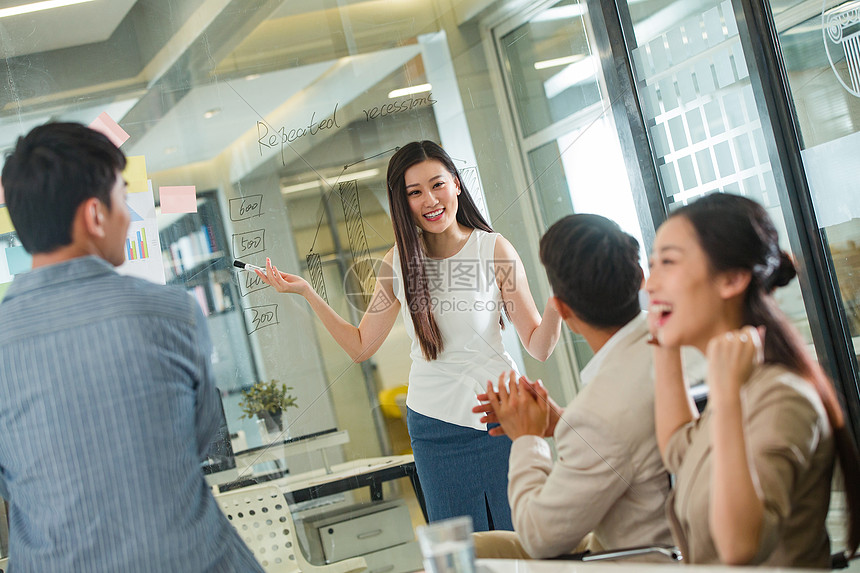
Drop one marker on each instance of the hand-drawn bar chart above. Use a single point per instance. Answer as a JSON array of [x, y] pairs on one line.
[[137, 249]]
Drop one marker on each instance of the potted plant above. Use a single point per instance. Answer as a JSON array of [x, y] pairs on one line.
[[267, 401]]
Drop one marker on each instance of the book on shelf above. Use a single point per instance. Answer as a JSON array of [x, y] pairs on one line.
[[199, 295], [186, 251], [212, 297]]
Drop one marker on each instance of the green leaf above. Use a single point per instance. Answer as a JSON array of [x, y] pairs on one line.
[[270, 396]]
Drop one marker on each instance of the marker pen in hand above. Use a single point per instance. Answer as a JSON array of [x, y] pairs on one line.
[[247, 266]]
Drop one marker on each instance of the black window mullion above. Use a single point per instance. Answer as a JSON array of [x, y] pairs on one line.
[[827, 318]]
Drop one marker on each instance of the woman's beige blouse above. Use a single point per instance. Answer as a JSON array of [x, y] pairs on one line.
[[790, 444]]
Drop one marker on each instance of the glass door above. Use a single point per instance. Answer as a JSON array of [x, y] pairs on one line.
[[728, 110], [819, 46], [562, 115], [703, 123]]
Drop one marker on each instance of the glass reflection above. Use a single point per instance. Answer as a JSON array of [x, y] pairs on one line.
[[820, 53]]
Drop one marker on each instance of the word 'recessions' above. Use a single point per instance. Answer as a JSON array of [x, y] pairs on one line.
[[398, 106]]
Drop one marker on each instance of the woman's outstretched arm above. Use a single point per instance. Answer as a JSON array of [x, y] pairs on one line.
[[359, 342]]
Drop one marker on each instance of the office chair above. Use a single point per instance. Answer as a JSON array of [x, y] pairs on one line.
[[840, 560], [262, 517]]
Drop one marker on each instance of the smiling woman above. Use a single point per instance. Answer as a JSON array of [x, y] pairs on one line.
[[439, 232], [760, 459], [432, 193]]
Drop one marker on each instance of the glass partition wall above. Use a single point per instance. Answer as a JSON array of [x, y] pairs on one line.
[[701, 113], [729, 106], [263, 128], [727, 109], [563, 120]]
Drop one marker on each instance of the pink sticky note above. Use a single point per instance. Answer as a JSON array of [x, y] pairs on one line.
[[178, 199], [105, 124]]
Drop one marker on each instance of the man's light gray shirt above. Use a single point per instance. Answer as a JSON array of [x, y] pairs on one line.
[[107, 406]]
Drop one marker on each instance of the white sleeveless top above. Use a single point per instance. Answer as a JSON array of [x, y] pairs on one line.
[[467, 304]]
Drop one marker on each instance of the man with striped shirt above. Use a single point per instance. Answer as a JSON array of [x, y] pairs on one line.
[[107, 402]]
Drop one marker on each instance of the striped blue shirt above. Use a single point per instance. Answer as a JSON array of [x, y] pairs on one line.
[[107, 406]]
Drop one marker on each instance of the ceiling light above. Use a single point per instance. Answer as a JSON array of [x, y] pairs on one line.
[[169, 150], [410, 90], [544, 64], [300, 187], [330, 181], [212, 113], [251, 77], [560, 13], [38, 6], [355, 176]]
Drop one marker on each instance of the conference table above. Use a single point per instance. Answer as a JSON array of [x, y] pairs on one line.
[[620, 566]]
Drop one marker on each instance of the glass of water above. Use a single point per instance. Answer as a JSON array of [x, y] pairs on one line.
[[447, 546]]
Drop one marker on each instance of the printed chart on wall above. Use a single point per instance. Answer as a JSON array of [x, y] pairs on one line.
[[13, 258], [142, 245]]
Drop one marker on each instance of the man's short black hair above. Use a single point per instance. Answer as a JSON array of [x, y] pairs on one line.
[[593, 267], [53, 169]]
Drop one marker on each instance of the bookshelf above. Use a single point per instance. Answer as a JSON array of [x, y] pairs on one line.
[[194, 251]]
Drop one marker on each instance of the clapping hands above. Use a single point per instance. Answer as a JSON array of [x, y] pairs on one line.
[[521, 408]]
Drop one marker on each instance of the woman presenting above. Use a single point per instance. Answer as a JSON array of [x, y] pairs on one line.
[[450, 276]]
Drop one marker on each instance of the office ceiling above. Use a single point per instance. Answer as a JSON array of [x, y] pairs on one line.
[[59, 28], [160, 67], [280, 99]]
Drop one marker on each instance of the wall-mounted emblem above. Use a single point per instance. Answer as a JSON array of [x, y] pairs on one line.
[[841, 30]]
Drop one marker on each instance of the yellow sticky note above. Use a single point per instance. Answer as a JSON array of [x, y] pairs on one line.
[[137, 186], [5, 221], [135, 174], [3, 288]]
